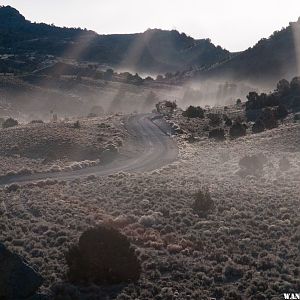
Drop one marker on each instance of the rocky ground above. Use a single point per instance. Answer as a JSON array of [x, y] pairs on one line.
[[246, 247]]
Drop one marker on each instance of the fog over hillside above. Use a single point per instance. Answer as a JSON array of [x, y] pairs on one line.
[[149, 165]]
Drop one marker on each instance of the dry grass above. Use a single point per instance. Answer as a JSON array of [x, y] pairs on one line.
[[55, 146], [247, 246]]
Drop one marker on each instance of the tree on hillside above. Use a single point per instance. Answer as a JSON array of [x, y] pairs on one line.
[[283, 87], [295, 85]]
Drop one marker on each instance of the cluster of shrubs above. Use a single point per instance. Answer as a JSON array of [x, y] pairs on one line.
[[286, 94], [266, 120], [10, 122], [236, 128], [267, 109]]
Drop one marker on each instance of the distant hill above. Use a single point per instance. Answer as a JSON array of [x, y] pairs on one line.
[[25, 46], [155, 50], [268, 61]]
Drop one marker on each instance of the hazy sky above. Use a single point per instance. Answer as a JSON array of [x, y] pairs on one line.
[[232, 24]]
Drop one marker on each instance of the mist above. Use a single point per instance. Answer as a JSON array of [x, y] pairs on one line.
[[153, 165]]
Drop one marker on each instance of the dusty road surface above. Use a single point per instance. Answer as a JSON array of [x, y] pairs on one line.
[[150, 139]]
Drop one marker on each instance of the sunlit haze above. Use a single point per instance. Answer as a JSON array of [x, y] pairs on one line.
[[234, 24]]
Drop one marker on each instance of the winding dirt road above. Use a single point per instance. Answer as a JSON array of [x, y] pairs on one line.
[[149, 133]]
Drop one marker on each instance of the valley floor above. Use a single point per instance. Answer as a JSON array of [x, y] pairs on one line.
[[246, 248]]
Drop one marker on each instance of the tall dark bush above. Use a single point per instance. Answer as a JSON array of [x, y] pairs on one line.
[[237, 130], [102, 256], [214, 119], [228, 121], [217, 134], [281, 112], [268, 116], [194, 112], [258, 126], [203, 203], [10, 122]]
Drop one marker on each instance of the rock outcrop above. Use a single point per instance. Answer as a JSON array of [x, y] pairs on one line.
[[17, 279]]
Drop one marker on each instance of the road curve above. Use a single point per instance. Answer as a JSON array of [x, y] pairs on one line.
[[149, 132]]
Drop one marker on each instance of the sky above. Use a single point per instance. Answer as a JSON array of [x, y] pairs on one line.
[[233, 24]]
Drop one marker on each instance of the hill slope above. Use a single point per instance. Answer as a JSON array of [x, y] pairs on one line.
[[268, 61], [154, 50]]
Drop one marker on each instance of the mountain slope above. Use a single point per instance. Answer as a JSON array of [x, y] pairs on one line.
[[269, 60], [154, 50]]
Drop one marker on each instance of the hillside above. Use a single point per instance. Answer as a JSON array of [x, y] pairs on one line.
[[268, 61], [152, 51]]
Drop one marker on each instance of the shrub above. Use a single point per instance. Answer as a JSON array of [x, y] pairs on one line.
[[76, 125], [10, 122], [194, 112], [232, 272], [203, 203], [297, 117], [295, 103], [258, 126], [237, 130], [218, 134], [166, 107], [36, 122], [228, 121], [252, 164], [12, 188], [281, 112], [92, 115], [268, 116], [103, 255], [214, 119], [171, 104]]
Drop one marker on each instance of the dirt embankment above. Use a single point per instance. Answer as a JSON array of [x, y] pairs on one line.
[[40, 147]]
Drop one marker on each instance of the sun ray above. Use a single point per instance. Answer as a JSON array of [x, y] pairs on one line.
[[296, 33]]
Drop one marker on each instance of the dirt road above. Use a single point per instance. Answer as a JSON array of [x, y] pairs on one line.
[[149, 133]]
